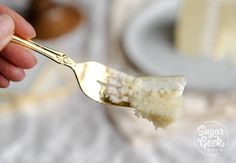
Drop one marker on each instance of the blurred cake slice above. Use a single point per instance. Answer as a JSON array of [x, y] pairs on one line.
[[206, 28]]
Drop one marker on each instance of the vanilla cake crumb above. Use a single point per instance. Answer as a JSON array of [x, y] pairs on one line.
[[155, 99]]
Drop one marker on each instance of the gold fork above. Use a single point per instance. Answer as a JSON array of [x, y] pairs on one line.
[[100, 83], [91, 75], [156, 99]]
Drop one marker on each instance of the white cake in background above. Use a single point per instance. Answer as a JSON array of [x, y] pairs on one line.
[[206, 28], [226, 32]]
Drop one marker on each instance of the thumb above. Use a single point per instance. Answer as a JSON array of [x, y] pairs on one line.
[[7, 27]]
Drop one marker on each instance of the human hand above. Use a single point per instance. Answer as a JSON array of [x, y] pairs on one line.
[[13, 58]]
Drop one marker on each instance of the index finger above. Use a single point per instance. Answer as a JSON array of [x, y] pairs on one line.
[[22, 27]]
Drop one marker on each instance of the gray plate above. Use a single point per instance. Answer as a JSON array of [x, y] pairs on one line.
[[148, 43]]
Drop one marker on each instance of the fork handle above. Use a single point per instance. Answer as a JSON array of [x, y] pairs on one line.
[[54, 55]]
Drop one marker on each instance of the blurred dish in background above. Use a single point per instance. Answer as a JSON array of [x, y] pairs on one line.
[[149, 43], [51, 20]]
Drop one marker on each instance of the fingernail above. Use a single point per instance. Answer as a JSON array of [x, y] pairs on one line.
[[19, 74], [31, 28], [6, 30], [34, 33]]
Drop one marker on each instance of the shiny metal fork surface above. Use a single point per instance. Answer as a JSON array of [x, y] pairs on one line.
[[89, 75]]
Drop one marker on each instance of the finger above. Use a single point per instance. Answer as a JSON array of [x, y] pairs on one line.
[[10, 71], [19, 56], [4, 83], [23, 28], [7, 27]]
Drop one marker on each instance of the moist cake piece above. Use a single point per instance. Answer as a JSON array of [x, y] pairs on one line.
[[156, 99]]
